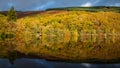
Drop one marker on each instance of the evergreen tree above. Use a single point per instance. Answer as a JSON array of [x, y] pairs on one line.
[[12, 16]]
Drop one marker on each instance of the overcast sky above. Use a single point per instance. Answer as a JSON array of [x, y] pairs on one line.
[[26, 5]]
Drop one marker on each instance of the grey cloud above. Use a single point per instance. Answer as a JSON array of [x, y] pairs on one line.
[[25, 5]]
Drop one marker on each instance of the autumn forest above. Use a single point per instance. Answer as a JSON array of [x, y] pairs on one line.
[[37, 34]]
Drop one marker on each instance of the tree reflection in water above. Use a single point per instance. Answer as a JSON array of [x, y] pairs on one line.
[[87, 48]]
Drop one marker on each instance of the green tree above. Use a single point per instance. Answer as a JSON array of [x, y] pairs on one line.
[[12, 16]]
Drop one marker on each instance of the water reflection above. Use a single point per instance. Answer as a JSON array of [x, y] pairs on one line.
[[41, 63], [87, 48]]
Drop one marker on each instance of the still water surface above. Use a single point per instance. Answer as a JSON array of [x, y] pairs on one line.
[[41, 63], [55, 52]]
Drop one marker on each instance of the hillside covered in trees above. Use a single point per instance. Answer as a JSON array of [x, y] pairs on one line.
[[64, 24]]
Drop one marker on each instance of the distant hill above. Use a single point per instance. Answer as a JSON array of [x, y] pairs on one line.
[[91, 9], [21, 14]]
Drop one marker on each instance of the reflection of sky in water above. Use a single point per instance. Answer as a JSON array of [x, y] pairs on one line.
[[41, 63]]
